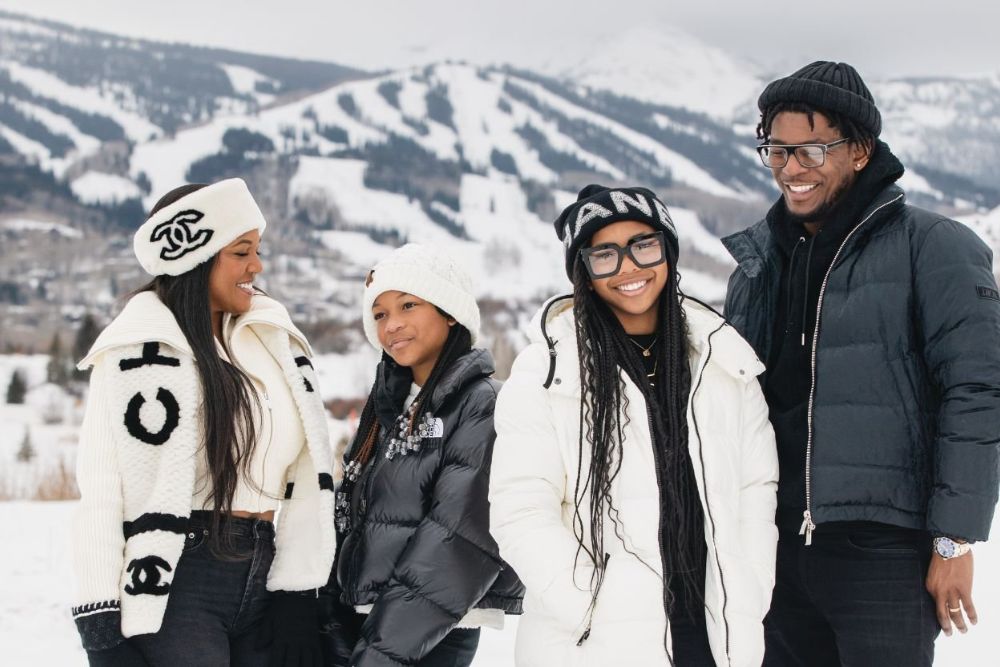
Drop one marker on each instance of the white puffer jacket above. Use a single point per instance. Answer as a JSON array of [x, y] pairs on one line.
[[534, 474]]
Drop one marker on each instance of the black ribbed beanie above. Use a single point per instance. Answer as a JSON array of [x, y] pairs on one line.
[[825, 85]]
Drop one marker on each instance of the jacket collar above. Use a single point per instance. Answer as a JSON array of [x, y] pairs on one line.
[[753, 248], [554, 326], [392, 382], [145, 319]]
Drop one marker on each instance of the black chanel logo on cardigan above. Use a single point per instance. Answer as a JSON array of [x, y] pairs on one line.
[[180, 238], [134, 424], [150, 357], [146, 576]]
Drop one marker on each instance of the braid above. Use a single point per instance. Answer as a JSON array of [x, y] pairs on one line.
[[604, 412]]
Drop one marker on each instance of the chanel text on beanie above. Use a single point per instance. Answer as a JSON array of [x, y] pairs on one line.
[[598, 206]]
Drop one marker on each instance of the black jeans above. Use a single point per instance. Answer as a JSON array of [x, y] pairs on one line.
[[855, 597], [215, 606]]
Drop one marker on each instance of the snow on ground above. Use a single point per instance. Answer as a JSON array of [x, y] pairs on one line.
[[89, 100], [693, 235], [165, 161], [58, 124], [29, 148], [682, 169], [28, 225], [664, 65], [244, 81], [37, 583], [378, 112], [483, 127], [99, 188]]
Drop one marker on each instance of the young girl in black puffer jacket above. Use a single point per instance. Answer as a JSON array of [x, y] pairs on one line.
[[417, 572]]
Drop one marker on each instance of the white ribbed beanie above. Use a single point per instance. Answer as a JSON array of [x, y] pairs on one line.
[[425, 273]]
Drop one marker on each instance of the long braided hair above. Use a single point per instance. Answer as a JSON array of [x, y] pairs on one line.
[[457, 344], [604, 412]]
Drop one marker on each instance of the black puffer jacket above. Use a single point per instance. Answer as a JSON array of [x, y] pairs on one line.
[[419, 548], [905, 373]]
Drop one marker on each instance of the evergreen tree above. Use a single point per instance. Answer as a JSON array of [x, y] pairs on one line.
[[27, 451], [85, 337], [58, 371], [16, 389]]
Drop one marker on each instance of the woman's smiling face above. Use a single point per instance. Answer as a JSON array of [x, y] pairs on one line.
[[230, 283]]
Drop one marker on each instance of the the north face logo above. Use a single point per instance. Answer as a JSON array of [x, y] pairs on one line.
[[179, 237]]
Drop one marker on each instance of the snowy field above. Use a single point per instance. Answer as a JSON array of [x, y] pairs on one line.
[[36, 580]]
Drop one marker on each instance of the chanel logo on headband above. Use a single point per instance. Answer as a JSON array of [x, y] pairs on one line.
[[179, 237], [146, 576]]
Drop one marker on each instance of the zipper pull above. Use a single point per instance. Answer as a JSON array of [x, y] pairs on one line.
[[584, 637], [807, 527], [803, 339]]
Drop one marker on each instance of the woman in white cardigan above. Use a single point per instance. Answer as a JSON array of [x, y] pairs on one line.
[[634, 475], [203, 417]]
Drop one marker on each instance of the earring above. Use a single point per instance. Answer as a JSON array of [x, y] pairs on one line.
[[857, 166]]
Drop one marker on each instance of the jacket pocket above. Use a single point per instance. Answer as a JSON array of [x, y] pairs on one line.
[[888, 540], [194, 538]]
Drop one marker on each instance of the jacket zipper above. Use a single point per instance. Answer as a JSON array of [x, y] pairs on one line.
[[704, 482], [808, 527]]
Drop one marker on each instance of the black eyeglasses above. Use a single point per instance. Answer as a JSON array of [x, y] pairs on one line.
[[602, 261], [810, 156]]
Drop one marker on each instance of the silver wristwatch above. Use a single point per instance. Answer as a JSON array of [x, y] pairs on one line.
[[947, 548]]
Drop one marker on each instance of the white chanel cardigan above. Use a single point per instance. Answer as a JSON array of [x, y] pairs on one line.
[[136, 468]]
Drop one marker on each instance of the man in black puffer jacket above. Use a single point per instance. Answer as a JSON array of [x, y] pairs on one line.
[[879, 324]]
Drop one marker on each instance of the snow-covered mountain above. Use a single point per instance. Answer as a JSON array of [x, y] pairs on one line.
[[476, 158]]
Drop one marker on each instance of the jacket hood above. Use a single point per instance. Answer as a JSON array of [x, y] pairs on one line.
[[145, 319], [554, 326]]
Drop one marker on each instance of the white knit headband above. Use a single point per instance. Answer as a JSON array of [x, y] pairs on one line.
[[194, 228]]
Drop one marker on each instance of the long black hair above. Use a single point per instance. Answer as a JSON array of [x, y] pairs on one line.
[[604, 348], [229, 400], [456, 345]]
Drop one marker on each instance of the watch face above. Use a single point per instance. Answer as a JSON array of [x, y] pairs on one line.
[[945, 548]]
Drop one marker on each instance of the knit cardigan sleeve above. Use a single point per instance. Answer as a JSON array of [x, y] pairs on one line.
[[98, 540]]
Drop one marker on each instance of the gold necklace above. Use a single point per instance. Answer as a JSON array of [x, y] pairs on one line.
[[646, 351]]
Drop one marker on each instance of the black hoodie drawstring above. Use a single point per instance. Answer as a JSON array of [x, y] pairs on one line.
[[805, 299], [791, 272]]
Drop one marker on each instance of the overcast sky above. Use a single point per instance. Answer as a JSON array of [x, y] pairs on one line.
[[883, 39]]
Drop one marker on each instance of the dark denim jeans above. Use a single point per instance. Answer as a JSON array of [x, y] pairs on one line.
[[855, 597], [215, 606]]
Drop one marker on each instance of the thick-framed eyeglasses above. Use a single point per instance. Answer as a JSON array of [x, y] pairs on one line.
[[605, 260], [810, 156]]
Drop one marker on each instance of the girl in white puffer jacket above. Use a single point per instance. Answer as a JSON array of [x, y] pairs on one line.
[[633, 481]]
